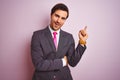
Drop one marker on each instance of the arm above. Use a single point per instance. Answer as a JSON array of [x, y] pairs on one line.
[[38, 58], [75, 55]]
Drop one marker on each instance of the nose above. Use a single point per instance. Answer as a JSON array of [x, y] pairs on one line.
[[58, 20]]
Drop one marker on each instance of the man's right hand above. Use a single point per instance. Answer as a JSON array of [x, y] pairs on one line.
[[66, 60]]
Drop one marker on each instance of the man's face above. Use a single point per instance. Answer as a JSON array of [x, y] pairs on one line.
[[57, 19]]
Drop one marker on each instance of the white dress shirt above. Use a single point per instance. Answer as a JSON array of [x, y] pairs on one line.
[[57, 36]]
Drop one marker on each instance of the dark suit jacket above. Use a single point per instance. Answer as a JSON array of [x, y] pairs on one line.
[[47, 61]]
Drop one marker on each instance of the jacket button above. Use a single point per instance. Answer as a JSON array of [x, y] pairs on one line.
[[54, 76]]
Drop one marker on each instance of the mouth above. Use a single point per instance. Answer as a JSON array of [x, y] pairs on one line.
[[57, 24]]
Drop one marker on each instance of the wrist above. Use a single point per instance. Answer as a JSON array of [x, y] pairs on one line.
[[64, 62], [82, 42]]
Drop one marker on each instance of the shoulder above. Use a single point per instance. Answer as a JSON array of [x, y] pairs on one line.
[[68, 36], [42, 31], [66, 33]]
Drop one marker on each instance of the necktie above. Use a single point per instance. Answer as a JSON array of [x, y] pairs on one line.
[[55, 39]]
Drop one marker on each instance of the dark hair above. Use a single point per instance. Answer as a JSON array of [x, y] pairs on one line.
[[60, 6]]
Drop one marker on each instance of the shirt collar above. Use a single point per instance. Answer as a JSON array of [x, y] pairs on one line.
[[51, 30]]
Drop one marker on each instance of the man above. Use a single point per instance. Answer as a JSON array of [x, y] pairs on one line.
[[53, 49]]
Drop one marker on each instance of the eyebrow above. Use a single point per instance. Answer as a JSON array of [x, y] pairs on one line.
[[59, 16]]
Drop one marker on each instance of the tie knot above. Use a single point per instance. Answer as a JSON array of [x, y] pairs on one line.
[[54, 33]]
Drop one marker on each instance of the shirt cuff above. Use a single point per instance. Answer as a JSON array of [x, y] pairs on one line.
[[64, 62]]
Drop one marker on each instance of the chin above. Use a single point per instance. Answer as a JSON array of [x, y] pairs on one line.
[[56, 28]]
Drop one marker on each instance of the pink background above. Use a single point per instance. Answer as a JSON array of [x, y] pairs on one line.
[[19, 18]]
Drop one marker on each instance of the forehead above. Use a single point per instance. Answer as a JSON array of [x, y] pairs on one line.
[[61, 13]]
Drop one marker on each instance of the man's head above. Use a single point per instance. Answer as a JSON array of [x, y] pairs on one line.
[[59, 14], [60, 6]]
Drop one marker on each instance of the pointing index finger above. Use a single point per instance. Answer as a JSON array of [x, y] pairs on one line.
[[85, 28]]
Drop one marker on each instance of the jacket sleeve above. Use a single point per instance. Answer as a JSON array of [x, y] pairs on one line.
[[39, 61], [74, 55]]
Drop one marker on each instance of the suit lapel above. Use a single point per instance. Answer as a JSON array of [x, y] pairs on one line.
[[61, 41], [50, 39]]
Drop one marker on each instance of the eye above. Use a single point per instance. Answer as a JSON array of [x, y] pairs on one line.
[[57, 15], [63, 18]]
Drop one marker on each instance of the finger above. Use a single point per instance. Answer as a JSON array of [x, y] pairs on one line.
[[83, 33], [80, 35], [85, 28]]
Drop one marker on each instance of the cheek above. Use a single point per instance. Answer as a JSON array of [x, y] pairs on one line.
[[62, 22], [54, 19]]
